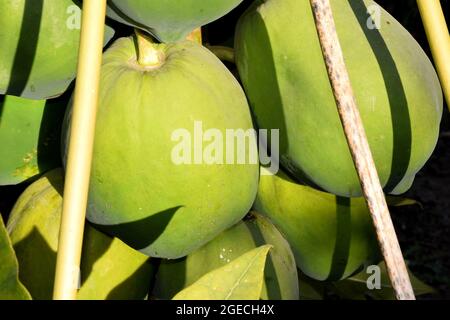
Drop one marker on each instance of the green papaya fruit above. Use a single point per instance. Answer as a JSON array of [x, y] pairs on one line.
[[396, 87], [169, 21], [331, 237], [109, 268], [139, 190], [40, 42], [29, 137], [280, 273]]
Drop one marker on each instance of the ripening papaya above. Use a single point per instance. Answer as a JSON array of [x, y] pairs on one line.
[[331, 237], [171, 20], [29, 137], [280, 273], [39, 46], [162, 177], [109, 268], [397, 91]]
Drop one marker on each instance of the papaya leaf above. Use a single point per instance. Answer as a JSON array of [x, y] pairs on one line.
[[241, 279], [401, 202], [356, 287], [10, 286]]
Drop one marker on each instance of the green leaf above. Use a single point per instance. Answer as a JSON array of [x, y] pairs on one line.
[[241, 279], [400, 202], [10, 286], [356, 287]]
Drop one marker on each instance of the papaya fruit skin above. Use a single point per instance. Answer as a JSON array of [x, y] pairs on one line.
[[397, 91], [109, 268], [137, 192], [169, 21], [39, 47], [280, 271], [29, 137], [331, 237]]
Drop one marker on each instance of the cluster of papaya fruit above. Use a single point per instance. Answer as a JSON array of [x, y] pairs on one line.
[[156, 227]]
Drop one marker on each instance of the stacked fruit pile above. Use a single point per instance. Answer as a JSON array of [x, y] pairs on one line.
[[178, 200]]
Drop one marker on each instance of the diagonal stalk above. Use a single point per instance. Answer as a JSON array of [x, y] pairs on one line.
[[360, 150]]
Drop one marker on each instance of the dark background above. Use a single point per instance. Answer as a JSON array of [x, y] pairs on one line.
[[423, 231]]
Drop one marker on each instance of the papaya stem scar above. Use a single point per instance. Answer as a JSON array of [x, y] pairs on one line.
[[149, 55]]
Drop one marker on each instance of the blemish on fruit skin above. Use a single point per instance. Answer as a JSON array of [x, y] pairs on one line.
[[223, 255], [29, 168]]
